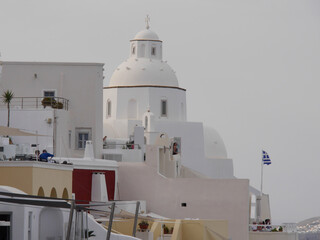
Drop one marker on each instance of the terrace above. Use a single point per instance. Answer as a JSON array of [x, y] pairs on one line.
[[36, 103]]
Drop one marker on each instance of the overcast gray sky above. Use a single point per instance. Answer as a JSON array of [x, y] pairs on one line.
[[251, 69]]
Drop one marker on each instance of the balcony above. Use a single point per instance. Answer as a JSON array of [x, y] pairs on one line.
[[36, 103]]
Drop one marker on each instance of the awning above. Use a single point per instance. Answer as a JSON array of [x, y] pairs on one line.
[[7, 131]]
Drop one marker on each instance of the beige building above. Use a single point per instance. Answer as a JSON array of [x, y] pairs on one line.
[[38, 178]]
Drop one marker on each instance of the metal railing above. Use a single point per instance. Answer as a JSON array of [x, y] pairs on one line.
[[121, 146], [285, 227], [36, 103]]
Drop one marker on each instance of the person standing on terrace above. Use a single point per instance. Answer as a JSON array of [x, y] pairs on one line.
[[44, 156]]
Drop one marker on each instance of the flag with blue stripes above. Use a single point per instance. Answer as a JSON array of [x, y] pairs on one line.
[[265, 158]]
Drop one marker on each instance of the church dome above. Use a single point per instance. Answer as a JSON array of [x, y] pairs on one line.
[[143, 71], [146, 34], [214, 146], [144, 65]]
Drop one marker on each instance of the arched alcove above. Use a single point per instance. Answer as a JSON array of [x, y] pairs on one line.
[[132, 109], [65, 194], [108, 110], [146, 123], [53, 193], [40, 192], [50, 224], [182, 111]]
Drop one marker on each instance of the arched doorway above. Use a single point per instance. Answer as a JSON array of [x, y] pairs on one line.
[[50, 224]]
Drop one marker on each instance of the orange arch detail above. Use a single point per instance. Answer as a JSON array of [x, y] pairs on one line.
[[53, 193]]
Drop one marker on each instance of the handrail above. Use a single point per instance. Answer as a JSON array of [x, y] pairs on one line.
[[126, 145], [276, 228], [36, 103]]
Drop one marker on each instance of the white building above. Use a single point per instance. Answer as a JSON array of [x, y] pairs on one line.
[[144, 91], [76, 112]]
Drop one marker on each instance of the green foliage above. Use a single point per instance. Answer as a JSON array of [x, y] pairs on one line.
[[7, 97], [165, 229], [89, 234], [58, 105], [48, 101], [143, 222]]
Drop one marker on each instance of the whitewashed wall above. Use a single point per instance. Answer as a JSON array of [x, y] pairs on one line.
[[146, 97], [81, 83], [34, 121]]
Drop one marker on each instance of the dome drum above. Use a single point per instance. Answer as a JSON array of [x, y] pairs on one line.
[[144, 65]]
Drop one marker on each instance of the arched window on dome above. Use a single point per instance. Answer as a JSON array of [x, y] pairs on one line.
[[164, 108], [132, 109], [108, 108], [133, 49], [146, 123], [153, 51]]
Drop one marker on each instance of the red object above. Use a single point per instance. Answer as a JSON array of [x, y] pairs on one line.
[[82, 182], [143, 226]]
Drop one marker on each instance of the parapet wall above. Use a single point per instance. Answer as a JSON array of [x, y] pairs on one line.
[[179, 198]]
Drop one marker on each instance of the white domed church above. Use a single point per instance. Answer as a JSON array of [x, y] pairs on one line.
[[144, 99]]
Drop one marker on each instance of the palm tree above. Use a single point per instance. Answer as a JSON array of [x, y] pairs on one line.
[[7, 97]]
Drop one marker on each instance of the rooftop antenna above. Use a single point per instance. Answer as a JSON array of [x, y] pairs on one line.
[[147, 20]]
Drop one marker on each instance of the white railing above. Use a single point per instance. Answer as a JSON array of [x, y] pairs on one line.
[[285, 227], [36, 102]]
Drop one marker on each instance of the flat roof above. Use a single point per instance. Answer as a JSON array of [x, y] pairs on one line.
[[36, 164], [51, 63]]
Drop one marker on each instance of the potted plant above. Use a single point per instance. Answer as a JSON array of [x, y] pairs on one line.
[[143, 225], [48, 101], [58, 105], [89, 234], [165, 229]]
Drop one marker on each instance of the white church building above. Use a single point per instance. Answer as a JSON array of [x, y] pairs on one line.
[[140, 121], [144, 92]]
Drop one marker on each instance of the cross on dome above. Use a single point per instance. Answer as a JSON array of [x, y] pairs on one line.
[[147, 20]]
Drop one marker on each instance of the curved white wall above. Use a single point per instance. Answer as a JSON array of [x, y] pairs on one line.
[[125, 101]]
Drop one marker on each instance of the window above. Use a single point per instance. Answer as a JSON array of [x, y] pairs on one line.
[[70, 138], [153, 51], [133, 50], [163, 108], [108, 108], [82, 135], [146, 123], [49, 93], [5, 228]]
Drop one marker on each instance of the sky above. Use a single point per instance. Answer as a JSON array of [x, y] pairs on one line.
[[251, 69]]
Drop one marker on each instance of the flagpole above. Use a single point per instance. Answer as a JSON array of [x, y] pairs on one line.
[[261, 174], [259, 198]]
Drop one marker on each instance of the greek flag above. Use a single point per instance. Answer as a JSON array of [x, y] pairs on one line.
[[265, 158]]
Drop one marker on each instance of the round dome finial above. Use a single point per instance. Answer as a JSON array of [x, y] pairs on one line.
[[147, 20]]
